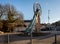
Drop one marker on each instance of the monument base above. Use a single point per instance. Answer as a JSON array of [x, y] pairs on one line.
[[37, 27]]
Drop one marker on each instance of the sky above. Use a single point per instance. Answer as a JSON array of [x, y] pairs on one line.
[[26, 7]]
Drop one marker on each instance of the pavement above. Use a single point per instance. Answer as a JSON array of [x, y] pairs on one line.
[[17, 38]]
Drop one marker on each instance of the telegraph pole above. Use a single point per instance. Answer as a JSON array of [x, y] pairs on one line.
[[48, 16], [49, 19]]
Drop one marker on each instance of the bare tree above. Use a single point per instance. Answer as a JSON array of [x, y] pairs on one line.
[[14, 18]]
